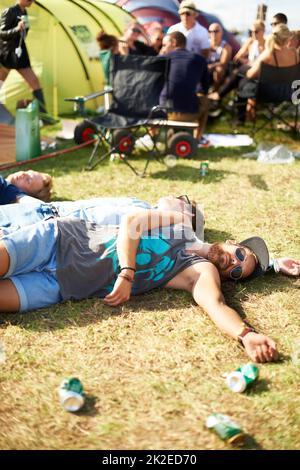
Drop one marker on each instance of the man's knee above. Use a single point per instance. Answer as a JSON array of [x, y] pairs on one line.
[[4, 259]]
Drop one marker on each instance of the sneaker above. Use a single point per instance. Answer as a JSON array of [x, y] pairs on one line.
[[203, 142]]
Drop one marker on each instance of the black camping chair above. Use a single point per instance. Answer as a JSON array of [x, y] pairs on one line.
[[275, 94], [137, 82]]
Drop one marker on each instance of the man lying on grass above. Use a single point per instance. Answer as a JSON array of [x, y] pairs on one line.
[[109, 211], [62, 259]]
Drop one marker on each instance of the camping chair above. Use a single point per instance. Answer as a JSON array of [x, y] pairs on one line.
[[275, 94], [137, 82]]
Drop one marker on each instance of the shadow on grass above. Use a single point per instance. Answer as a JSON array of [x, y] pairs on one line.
[[187, 173], [257, 181], [93, 311], [251, 443], [89, 407]]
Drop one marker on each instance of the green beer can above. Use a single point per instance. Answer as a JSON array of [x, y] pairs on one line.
[[242, 377], [203, 168], [226, 429], [71, 394]]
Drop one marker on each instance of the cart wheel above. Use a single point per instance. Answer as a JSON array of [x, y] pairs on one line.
[[84, 132], [123, 140], [182, 145]]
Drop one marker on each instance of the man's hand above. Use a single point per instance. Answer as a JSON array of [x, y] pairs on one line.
[[21, 26], [260, 348], [120, 293], [288, 266]]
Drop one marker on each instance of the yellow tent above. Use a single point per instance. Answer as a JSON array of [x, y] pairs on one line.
[[63, 50]]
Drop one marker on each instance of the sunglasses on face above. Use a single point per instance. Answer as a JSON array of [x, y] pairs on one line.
[[215, 31], [255, 31], [237, 271], [184, 198], [187, 13]]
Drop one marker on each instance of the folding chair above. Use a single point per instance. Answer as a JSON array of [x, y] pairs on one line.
[[275, 94], [137, 82]]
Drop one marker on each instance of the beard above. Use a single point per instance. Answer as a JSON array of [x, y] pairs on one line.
[[215, 255]]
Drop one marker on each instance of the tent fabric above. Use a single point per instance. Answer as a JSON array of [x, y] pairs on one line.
[[63, 50]]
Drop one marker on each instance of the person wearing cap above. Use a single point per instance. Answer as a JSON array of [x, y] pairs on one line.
[[196, 35], [68, 259]]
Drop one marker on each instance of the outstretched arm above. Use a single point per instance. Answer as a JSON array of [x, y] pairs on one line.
[[131, 229], [288, 266], [207, 293]]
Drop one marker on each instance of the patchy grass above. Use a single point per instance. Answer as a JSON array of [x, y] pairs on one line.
[[152, 368]]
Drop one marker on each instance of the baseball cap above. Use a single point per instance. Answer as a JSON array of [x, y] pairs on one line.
[[258, 246], [186, 5]]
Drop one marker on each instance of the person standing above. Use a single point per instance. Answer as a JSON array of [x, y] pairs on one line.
[[14, 27], [196, 35]]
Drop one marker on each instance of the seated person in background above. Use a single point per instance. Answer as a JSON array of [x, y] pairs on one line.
[[219, 55], [130, 43], [25, 187], [167, 45], [279, 18], [244, 58], [108, 42], [188, 76], [197, 38], [294, 41], [156, 38], [278, 54]]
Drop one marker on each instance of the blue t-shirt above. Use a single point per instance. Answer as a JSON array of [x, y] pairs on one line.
[[8, 192], [188, 75]]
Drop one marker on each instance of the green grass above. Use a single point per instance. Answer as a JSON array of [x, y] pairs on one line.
[[152, 368]]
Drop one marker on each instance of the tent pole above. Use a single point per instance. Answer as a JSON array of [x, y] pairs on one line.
[[55, 89]]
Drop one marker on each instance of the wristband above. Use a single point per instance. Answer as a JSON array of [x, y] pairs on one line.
[[274, 264], [128, 267], [242, 335], [128, 278]]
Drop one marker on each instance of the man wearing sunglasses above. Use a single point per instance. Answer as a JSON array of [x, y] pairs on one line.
[[64, 259], [196, 35], [279, 18]]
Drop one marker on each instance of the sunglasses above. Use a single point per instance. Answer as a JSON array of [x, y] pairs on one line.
[[215, 31], [255, 31], [184, 198], [135, 30], [187, 13], [237, 271]]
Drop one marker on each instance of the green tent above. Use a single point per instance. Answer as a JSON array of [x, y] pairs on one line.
[[63, 50]]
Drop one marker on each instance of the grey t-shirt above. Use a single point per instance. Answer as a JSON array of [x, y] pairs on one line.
[[88, 265]]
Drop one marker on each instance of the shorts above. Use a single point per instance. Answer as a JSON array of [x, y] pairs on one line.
[[11, 61], [191, 117], [32, 270]]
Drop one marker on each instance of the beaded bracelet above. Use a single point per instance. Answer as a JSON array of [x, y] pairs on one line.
[[128, 278]]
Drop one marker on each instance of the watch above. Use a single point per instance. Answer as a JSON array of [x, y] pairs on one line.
[[242, 335]]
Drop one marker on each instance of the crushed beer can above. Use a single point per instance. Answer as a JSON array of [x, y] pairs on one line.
[[203, 168], [71, 394], [226, 429], [242, 377]]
